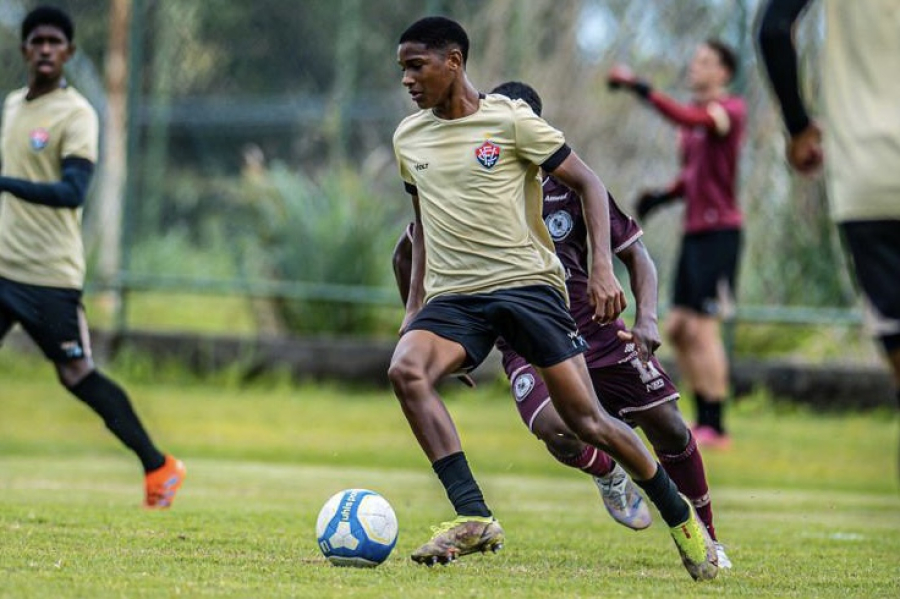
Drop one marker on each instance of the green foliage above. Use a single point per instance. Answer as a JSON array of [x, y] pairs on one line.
[[331, 233], [799, 518]]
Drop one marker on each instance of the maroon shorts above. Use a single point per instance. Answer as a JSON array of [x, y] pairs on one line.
[[623, 388]]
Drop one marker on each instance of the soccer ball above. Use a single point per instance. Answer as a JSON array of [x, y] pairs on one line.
[[356, 527]]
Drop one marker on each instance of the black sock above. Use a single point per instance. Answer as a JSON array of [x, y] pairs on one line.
[[709, 412], [702, 409], [663, 493], [462, 490], [109, 401], [714, 414]]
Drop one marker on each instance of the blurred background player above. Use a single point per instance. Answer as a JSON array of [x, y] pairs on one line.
[[49, 148], [862, 138], [627, 377], [483, 266], [712, 127]]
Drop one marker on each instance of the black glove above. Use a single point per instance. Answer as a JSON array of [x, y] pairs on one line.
[[650, 201]]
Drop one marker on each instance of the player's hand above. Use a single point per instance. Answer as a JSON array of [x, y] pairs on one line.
[[620, 76], [605, 294], [645, 336], [804, 150], [407, 319]]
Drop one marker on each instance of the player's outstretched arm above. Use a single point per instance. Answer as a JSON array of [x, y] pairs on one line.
[[712, 117], [644, 285], [605, 292], [70, 192]]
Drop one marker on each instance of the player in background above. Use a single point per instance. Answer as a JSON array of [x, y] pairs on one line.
[[628, 379], [49, 137], [712, 127], [483, 267], [861, 150]]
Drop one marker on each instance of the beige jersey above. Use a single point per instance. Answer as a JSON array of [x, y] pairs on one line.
[[480, 196], [41, 245], [861, 78]]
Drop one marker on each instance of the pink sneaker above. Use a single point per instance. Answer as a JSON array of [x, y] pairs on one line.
[[709, 437]]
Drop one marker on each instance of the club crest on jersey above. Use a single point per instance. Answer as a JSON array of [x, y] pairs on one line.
[[487, 154], [523, 385], [39, 139], [559, 224]]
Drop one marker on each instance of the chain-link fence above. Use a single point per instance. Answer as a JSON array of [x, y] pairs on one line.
[[258, 140]]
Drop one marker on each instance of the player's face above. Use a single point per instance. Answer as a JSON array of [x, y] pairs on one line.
[[427, 74], [706, 69], [46, 50]]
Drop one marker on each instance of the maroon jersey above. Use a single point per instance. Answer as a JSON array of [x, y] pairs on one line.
[[709, 172], [564, 219]]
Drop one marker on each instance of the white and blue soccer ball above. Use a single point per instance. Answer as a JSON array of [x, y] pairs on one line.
[[356, 527]]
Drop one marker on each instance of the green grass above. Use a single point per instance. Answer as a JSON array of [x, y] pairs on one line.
[[807, 503]]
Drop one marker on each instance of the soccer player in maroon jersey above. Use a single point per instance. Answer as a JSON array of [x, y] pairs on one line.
[[712, 127], [627, 377]]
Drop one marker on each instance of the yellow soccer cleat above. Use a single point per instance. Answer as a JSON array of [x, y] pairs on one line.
[[462, 536], [697, 549]]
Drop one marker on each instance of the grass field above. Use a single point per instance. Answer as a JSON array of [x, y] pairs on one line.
[[807, 504]]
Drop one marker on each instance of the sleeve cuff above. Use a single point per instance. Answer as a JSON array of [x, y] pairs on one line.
[[557, 158]]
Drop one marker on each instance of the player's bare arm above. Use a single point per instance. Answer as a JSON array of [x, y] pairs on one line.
[[606, 293], [644, 284], [417, 273]]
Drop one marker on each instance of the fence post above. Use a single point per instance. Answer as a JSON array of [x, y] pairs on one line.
[[132, 103]]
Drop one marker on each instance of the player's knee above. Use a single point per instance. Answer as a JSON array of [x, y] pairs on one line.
[[70, 374], [564, 448], [404, 373], [560, 441], [597, 431], [676, 332]]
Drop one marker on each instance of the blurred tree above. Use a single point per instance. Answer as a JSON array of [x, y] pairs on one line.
[[112, 172]]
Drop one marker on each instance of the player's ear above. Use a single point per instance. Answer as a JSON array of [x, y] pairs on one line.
[[454, 59]]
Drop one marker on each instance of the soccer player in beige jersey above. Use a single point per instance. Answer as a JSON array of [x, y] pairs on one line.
[[483, 267], [862, 138], [48, 139]]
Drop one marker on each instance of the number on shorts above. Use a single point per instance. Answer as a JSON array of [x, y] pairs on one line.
[[647, 370]]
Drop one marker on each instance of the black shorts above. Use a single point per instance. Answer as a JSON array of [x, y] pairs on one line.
[[875, 249], [706, 274], [534, 320], [52, 317]]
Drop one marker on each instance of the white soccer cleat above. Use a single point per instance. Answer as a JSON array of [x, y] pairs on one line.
[[724, 561], [622, 499]]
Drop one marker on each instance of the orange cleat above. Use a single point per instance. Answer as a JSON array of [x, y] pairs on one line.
[[160, 485]]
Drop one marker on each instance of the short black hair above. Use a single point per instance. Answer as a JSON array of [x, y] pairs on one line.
[[438, 33], [516, 90], [727, 55], [48, 15]]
